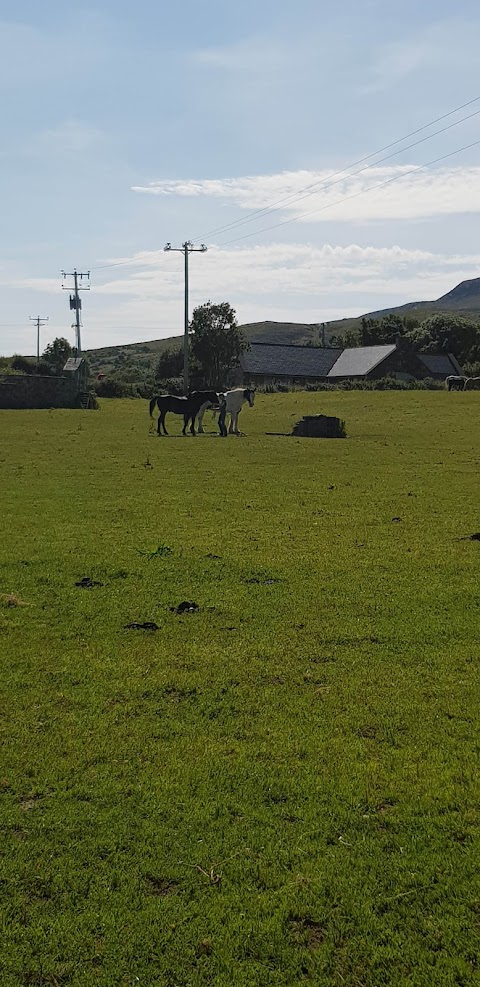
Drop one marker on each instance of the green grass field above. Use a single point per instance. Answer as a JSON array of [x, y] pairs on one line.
[[282, 787]]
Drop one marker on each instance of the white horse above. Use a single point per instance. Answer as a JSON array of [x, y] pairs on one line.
[[455, 383], [235, 399], [472, 384]]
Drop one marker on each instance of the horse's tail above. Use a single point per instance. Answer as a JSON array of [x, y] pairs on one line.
[[152, 406]]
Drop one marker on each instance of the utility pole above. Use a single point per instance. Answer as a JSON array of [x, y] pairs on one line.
[[186, 249], [75, 301], [40, 321]]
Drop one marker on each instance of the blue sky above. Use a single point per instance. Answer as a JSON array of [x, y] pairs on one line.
[[126, 125]]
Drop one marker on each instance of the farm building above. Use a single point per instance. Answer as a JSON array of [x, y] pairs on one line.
[[267, 363], [36, 391]]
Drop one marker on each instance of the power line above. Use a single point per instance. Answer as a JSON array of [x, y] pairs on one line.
[[298, 195], [40, 321], [186, 249], [75, 301], [120, 263], [326, 183], [354, 195]]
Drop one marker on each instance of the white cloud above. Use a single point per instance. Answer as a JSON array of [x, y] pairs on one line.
[[70, 136], [294, 282], [445, 46], [289, 271], [294, 273], [414, 193], [46, 286], [32, 55], [253, 55]]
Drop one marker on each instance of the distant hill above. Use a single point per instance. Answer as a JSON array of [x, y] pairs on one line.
[[464, 299], [281, 332], [465, 296], [105, 358]]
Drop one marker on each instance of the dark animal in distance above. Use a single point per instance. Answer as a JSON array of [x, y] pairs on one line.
[[453, 383], [472, 384], [188, 406]]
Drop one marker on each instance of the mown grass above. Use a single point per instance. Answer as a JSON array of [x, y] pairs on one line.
[[281, 788]]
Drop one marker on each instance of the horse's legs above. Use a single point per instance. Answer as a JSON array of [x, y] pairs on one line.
[[186, 419], [200, 420], [161, 423], [230, 427], [221, 421]]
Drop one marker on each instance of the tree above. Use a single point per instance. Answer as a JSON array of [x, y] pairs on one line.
[[216, 342], [170, 364], [23, 365], [347, 339], [385, 330], [57, 353], [448, 334]]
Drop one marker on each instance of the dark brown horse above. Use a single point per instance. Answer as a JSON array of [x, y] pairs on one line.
[[188, 406]]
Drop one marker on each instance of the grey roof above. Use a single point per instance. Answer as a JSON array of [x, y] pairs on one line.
[[440, 363], [73, 363], [360, 360], [278, 360]]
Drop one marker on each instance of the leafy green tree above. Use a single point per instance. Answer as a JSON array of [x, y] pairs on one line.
[[217, 342], [351, 338], [57, 353], [23, 365], [170, 364], [448, 334], [374, 332], [347, 339]]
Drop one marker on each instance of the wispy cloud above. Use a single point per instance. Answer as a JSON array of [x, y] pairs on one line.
[[30, 54], [46, 286], [294, 282], [293, 271], [441, 45], [257, 55], [72, 136], [420, 193]]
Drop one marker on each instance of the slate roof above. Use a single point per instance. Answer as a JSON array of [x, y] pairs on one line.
[[73, 363], [441, 363], [288, 360], [360, 360], [277, 360]]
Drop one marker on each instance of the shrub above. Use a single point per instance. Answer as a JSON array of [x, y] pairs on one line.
[[23, 365], [168, 385], [111, 388]]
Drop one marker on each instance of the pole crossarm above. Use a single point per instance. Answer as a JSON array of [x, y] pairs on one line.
[[186, 249], [75, 302], [39, 320]]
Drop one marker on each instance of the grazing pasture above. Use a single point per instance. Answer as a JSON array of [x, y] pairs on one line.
[[278, 785]]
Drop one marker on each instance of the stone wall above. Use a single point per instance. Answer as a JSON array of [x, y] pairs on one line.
[[32, 391]]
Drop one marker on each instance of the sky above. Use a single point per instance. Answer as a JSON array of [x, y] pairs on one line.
[[125, 126]]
